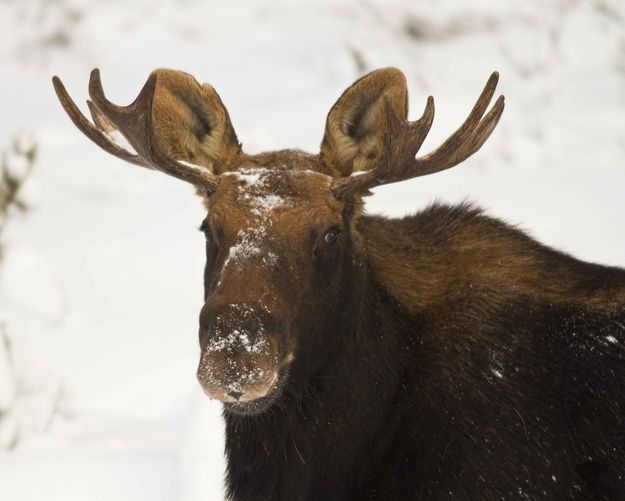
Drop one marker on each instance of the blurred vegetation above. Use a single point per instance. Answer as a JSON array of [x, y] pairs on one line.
[[16, 164], [17, 161]]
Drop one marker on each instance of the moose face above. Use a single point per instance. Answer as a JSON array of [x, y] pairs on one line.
[[280, 225], [272, 234]]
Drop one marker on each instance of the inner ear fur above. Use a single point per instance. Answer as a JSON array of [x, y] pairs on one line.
[[191, 123], [356, 125]]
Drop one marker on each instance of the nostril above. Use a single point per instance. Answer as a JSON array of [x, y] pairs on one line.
[[235, 394], [207, 317], [204, 336], [207, 322]]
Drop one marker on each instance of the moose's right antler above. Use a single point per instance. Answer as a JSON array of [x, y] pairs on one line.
[[187, 158], [404, 139], [98, 134]]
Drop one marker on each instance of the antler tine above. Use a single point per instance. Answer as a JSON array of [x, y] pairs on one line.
[[99, 120], [417, 130], [466, 129], [136, 124], [404, 139], [121, 114], [97, 135], [469, 137], [440, 160]]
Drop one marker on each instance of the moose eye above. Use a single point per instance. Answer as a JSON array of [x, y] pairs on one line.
[[331, 235]]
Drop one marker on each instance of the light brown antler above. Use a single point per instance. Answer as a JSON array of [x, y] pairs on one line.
[[136, 123], [404, 139]]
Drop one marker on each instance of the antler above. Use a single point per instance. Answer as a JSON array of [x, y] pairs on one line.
[[135, 122], [404, 139]]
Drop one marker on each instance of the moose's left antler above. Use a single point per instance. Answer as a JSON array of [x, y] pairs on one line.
[[404, 139]]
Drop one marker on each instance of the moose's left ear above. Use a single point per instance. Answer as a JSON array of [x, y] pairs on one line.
[[356, 125]]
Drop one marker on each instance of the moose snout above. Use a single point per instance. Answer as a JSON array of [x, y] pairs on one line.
[[240, 352]]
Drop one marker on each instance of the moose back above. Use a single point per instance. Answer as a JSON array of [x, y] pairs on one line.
[[444, 355]]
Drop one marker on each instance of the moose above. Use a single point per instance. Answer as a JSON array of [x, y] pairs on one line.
[[444, 355]]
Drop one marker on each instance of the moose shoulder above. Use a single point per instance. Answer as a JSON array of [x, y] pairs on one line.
[[444, 355]]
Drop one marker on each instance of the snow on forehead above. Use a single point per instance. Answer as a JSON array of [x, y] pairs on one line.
[[264, 189]]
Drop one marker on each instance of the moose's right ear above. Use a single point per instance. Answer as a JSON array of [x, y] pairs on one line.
[[356, 125], [191, 123]]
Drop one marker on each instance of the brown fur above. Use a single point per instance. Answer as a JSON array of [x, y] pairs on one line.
[[449, 252]]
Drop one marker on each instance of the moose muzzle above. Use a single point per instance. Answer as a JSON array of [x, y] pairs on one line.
[[240, 352]]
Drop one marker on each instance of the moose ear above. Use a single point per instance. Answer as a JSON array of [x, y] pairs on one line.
[[191, 123], [356, 126], [188, 121]]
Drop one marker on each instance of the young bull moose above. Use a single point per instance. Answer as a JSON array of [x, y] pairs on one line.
[[444, 355]]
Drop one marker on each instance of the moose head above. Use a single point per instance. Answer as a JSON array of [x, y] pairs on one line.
[[283, 252]]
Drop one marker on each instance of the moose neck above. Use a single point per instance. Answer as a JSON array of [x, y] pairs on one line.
[[284, 448]]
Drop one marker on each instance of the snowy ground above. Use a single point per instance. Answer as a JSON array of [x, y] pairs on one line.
[[102, 281]]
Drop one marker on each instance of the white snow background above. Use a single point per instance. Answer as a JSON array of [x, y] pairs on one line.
[[102, 280]]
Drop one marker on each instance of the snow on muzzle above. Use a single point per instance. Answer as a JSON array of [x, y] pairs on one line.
[[240, 353]]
